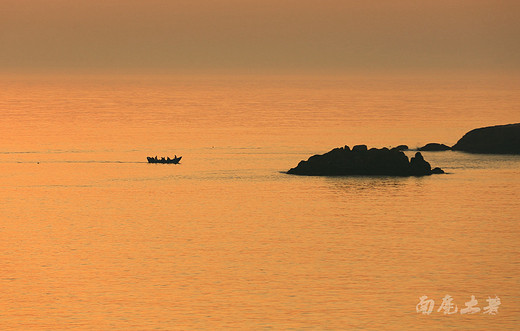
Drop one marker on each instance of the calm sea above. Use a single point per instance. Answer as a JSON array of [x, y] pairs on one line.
[[94, 238]]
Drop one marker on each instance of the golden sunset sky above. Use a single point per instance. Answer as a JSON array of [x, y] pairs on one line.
[[260, 35]]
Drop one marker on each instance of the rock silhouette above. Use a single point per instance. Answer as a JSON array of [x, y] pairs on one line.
[[500, 139], [434, 147], [400, 148], [364, 162]]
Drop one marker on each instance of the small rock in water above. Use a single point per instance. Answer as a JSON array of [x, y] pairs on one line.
[[400, 148], [435, 147]]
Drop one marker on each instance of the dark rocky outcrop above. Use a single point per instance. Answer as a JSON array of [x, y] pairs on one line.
[[364, 162], [500, 139], [437, 171], [400, 148], [434, 147]]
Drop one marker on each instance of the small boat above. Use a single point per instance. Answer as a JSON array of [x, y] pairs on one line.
[[175, 160]]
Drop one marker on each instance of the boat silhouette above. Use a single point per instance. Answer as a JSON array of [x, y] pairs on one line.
[[175, 160]]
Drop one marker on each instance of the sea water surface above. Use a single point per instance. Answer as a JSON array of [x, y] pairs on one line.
[[94, 238]]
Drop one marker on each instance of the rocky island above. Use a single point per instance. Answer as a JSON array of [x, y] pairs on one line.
[[361, 161]]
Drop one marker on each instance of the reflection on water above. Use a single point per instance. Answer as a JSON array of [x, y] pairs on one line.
[[93, 237], [366, 184]]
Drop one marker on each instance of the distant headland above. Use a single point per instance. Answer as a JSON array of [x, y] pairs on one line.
[[498, 139]]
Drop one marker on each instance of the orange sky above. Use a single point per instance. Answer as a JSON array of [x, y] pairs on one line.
[[271, 35]]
